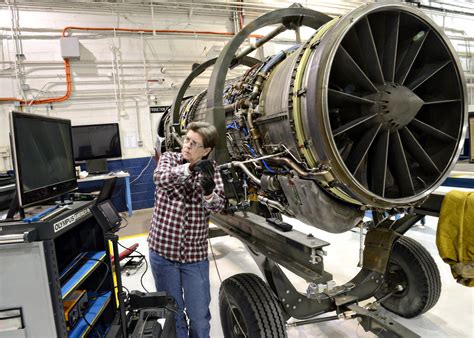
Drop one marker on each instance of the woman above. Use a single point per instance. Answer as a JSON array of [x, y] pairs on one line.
[[188, 188]]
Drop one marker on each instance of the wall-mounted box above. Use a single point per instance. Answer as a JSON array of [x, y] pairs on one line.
[[70, 48]]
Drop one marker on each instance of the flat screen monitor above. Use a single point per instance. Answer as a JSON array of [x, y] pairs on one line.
[[42, 156], [96, 141]]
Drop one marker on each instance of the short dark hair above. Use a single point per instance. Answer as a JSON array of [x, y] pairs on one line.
[[207, 131]]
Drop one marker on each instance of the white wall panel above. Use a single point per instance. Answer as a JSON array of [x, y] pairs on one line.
[[111, 79]]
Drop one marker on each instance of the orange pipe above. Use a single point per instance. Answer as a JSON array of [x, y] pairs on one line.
[[50, 100], [67, 65]]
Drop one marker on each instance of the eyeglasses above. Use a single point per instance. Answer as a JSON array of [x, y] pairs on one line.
[[192, 144]]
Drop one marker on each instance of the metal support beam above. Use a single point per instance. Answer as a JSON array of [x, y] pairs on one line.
[[267, 246], [381, 325], [293, 249], [431, 206]]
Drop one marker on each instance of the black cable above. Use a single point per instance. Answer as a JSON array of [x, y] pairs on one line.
[[90, 325], [117, 192], [146, 264], [132, 250], [128, 291], [124, 226], [144, 272], [165, 307], [103, 278], [172, 310], [135, 266], [127, 295]]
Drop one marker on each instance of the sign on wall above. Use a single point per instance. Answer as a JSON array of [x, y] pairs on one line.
[[158, 109]]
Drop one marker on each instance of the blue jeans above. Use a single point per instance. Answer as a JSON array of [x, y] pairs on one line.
[[188, 284]]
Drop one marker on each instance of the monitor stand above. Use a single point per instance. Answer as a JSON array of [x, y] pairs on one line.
[[97, 166], [14, 207]]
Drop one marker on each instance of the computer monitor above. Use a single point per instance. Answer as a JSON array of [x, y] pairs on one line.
[[42, 157], [95, 143]]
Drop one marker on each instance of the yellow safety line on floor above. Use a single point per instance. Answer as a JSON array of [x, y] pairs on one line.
[[458, 173], [133, 236]]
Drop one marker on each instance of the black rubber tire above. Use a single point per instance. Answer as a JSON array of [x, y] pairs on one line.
[[253, 304], [412, 266]]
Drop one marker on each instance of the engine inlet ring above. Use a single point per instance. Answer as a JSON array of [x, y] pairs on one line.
[[375, 107]]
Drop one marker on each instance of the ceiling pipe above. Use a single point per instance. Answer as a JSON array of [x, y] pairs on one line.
[[439, 9], [67, 65]]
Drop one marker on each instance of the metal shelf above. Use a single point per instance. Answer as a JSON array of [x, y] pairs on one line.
[[84, 271], [92, 315]]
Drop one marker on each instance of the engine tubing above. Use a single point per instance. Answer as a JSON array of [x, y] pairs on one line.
[[175, 107], [289, 17]]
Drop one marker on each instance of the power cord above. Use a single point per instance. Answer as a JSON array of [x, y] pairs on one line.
[[123, 287], [172, 310], [95, 293], [123, 226], [90, 325], [143, 170], [133, 266], [103, 278], [134, 180], [146, 263]]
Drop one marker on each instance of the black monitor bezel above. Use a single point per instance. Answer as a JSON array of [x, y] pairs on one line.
[[84, 126], [47, 192], [104, 220]]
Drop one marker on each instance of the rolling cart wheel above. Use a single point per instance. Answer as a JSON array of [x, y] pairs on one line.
[[411, 269], [249, 309]]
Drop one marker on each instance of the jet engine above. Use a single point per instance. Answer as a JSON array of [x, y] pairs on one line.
[[369, 113]]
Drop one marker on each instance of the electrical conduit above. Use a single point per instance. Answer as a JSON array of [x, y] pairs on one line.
[[67, 65]]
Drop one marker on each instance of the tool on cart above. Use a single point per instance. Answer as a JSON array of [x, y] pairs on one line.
[[74, 306]]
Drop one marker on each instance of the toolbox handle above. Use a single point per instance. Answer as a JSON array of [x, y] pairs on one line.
[[13, 238]]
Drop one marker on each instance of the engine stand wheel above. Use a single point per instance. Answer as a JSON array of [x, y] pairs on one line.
[[249, 309], [413, 277]]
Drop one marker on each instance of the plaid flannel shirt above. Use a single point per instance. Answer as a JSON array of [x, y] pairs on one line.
[[180, 222]]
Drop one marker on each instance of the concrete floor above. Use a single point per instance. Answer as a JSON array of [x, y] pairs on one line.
[[464, 166], [452, 316], [138, 224]]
